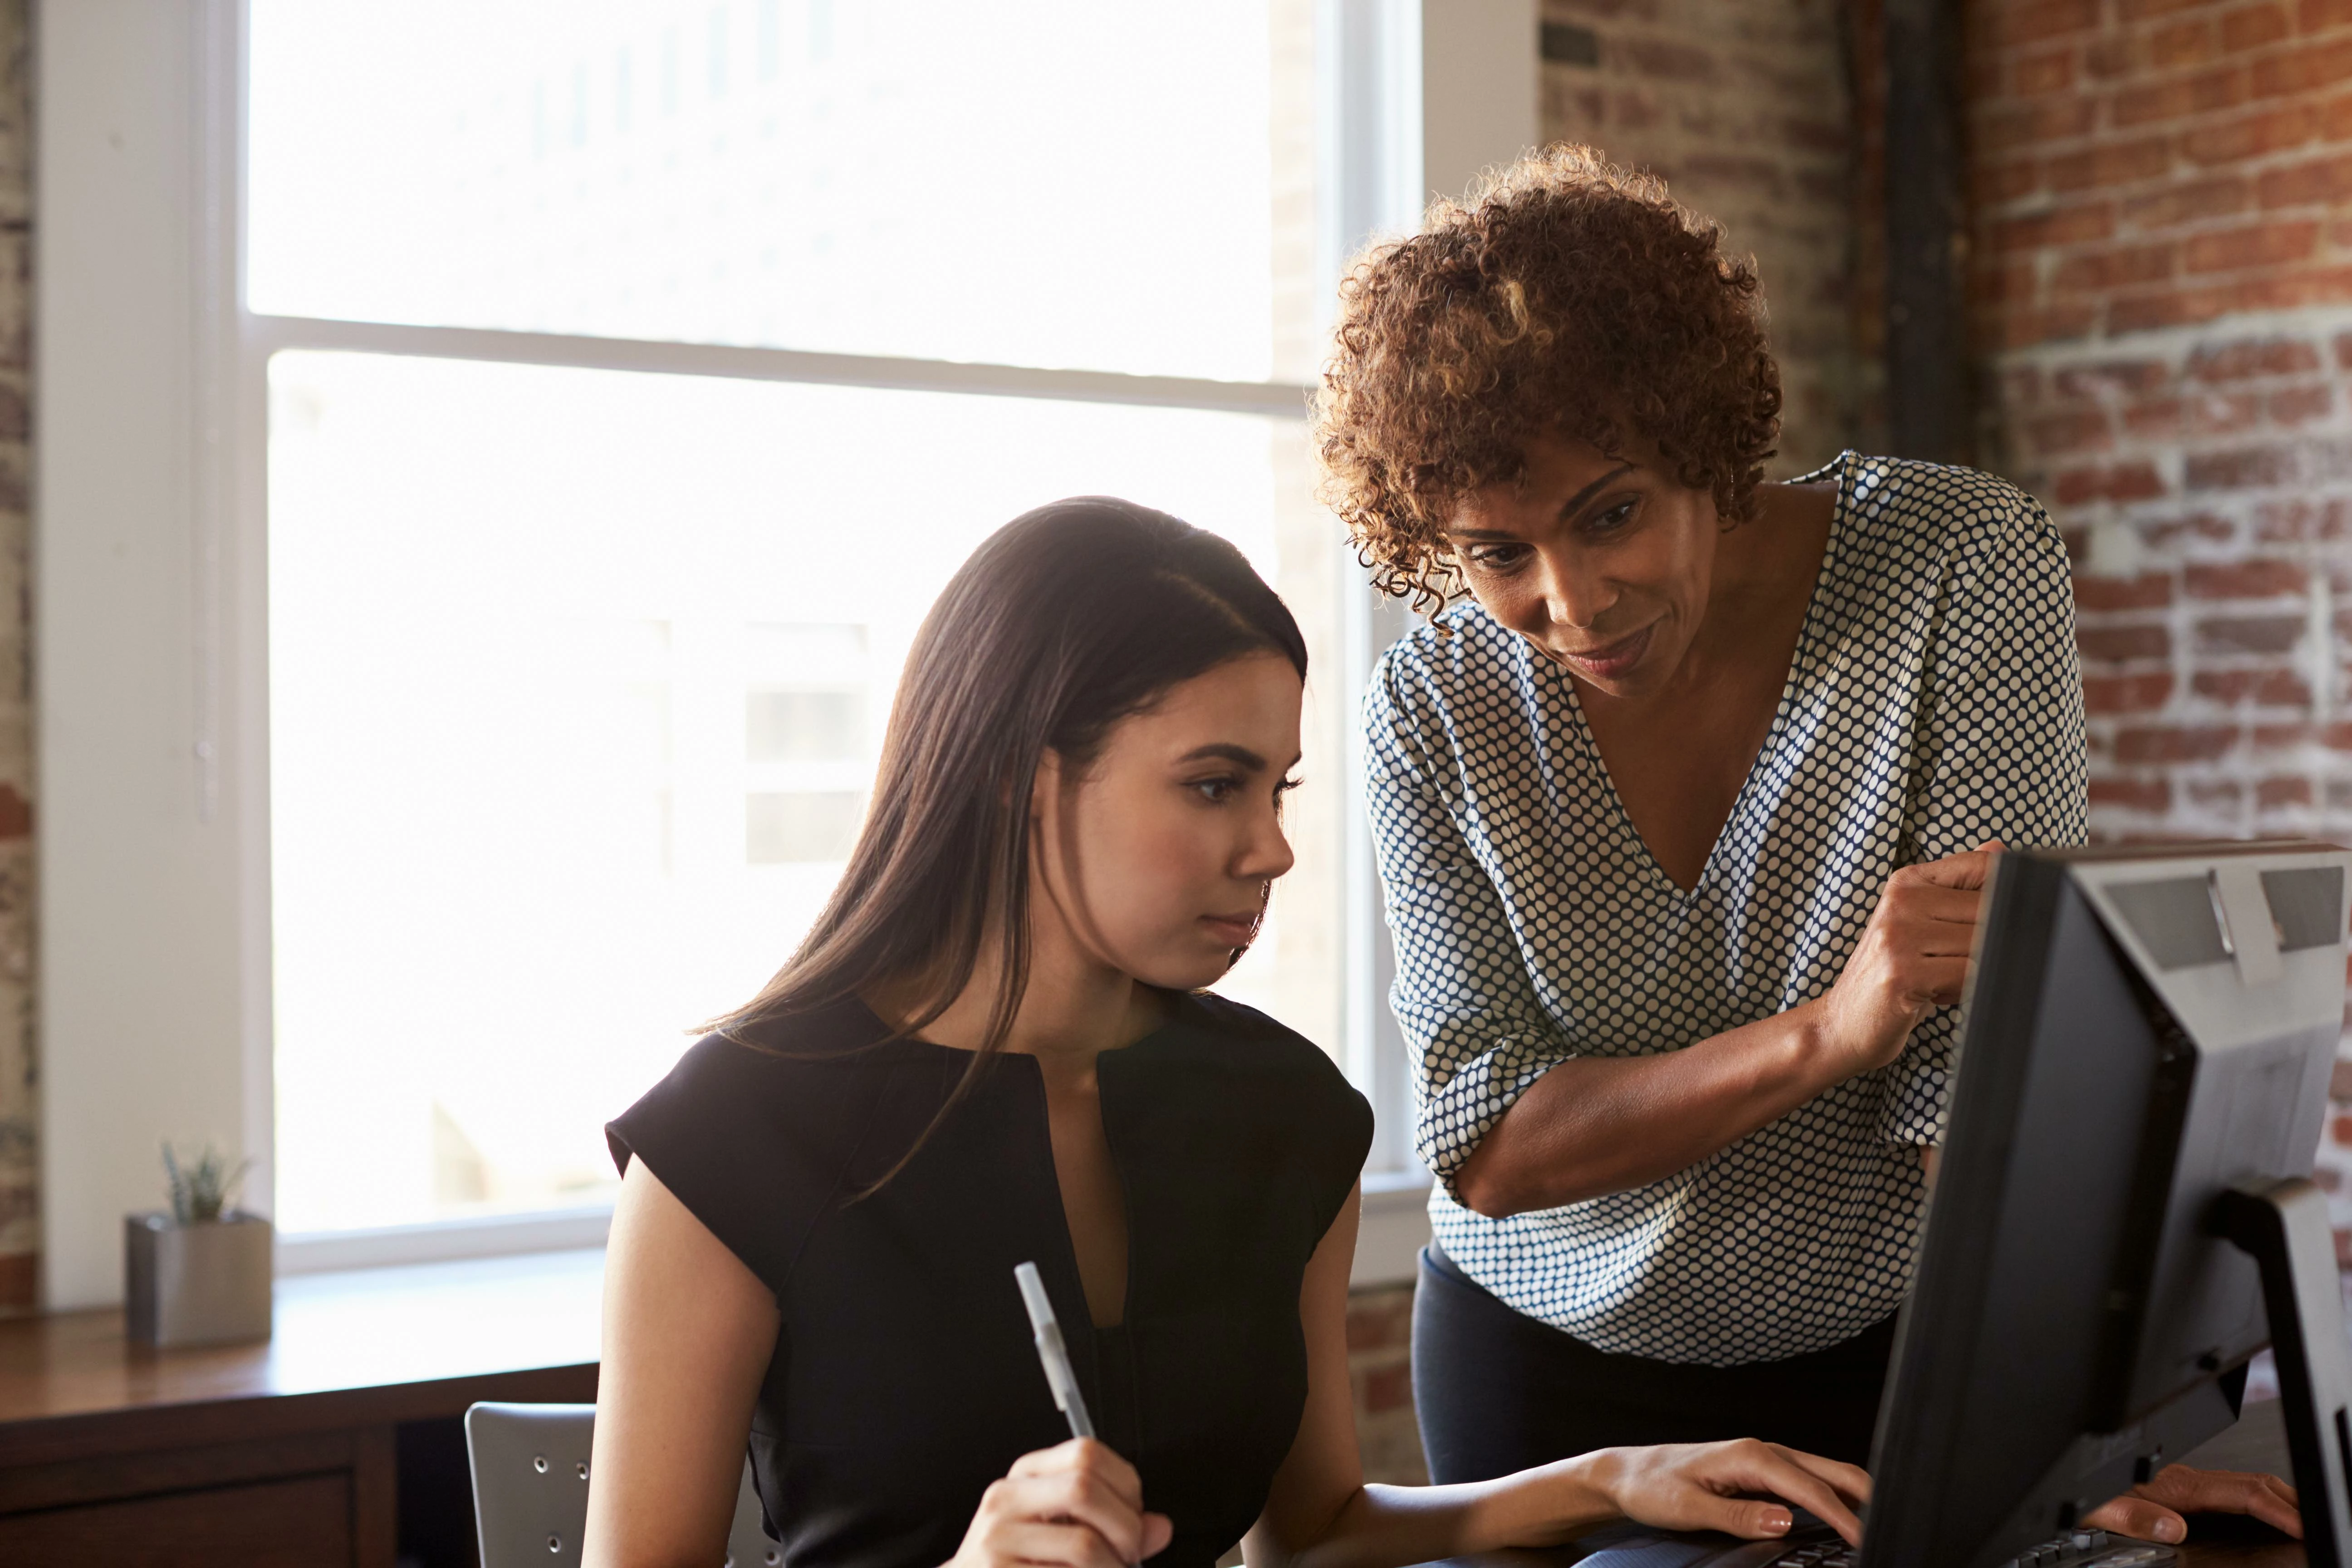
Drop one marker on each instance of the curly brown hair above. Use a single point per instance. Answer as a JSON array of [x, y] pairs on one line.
[[1562, 295]]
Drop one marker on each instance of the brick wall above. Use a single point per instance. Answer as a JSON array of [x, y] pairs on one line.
[[1379, 1365], [1742, 107], [2162, 303]]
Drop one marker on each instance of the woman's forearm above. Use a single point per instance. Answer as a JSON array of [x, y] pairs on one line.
[[1387, 1527], [1594, 1125]]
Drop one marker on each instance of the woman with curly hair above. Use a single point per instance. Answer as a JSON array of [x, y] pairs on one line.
[[1683, 814]]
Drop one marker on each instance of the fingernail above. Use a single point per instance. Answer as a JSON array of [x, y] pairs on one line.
[[1775, 1522], [2170, 1529]]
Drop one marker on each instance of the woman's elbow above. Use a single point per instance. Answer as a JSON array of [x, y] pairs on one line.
[[1485, 1186]]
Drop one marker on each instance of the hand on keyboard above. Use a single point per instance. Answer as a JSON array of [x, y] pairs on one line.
[[2153, 1511], [1699, 1486]]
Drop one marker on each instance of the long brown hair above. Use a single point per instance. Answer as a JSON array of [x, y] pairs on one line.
[[1064, 621]]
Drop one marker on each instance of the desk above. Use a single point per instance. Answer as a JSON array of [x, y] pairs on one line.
[[287, 1452]]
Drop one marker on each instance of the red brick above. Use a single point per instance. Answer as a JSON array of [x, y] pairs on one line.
[[2301, 404], [2110, 163], [2022, 329], [2120, 645], [2312, 15], [2289, 288], [1387, 1388], [2260, 688], [1994, 184], [2249, 136], [2240, 470], [2202, 527], [2208, 414], [2206, 92], [2294, 522], [15, 814], [1379, 1324], [2175, 744], [2251, 26], [2030, 21], [2275, 794], [2079, 430], [2339, 1083], [2327, 179], [2157, 418], [2108, 271], [2257, 244], [2017, 280], [2126, 375], [2122, 482], [2055, 119], [2106, 57], [2052, 71], [2258, 578], [2061, 225], [2250, 634], [2188, 201], [1668, 61], [2142, 10], [2132, 795], [2251, 357], [2335, 118], [2149, 590], [2112, 694], [2186, 43], [2297, 71]]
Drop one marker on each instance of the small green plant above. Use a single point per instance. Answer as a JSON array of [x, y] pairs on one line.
[[202, 1191]]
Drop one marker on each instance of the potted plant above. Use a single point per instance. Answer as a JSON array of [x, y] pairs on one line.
[[200, 1274]]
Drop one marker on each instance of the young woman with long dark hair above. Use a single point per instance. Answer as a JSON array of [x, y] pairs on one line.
[[992, 1048]]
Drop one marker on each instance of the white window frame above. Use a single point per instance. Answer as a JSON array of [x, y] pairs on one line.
[[151, 612]]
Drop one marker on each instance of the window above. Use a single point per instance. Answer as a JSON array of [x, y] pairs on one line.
[[578, 675], [492, 455]]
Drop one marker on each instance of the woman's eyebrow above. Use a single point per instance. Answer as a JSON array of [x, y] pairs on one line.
[[1575, 502], [1224, 750], [1573, 505]]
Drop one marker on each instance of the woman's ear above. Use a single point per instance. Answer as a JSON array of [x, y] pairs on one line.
[[1046, 786]]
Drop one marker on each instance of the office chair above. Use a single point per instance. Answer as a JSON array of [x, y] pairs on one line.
[[530, 1488]]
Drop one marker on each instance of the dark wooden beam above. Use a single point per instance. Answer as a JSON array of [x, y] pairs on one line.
[[1930, 411]]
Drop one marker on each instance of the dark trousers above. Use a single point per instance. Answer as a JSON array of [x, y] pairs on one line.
[[1498, 1392]]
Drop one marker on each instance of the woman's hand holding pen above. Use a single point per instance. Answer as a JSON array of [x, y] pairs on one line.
[[1077, 1505]]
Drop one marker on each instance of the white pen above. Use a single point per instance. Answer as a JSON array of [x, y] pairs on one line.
[[1051, 1351]]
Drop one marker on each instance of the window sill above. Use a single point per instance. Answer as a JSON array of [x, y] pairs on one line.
[[440, 1241]]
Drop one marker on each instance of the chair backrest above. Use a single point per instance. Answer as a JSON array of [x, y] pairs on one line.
[[530, 1488]]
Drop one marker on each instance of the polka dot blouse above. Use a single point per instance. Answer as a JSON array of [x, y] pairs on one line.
[[1934, 702]]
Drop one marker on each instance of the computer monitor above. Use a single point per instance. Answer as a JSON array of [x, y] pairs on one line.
[[2144, 1065]]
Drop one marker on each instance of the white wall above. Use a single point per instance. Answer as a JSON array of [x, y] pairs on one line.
[[144, 1000]]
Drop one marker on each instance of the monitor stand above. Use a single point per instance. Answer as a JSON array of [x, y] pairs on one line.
[[2285, 1226]]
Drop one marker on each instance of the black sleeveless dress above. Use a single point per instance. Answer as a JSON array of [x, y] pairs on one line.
[[904, 1380]]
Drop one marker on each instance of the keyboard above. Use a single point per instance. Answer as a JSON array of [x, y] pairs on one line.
[[1815, 1545]]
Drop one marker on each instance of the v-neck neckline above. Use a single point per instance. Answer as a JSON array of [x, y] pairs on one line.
[[1841, 468], [1179, 1005]]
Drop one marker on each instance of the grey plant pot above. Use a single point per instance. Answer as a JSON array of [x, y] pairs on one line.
[[203, 1284]]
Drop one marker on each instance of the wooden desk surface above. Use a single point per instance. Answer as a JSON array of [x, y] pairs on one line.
[[378, 1345]]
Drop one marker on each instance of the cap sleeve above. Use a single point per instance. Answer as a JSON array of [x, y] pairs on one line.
[[755, 1138]]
